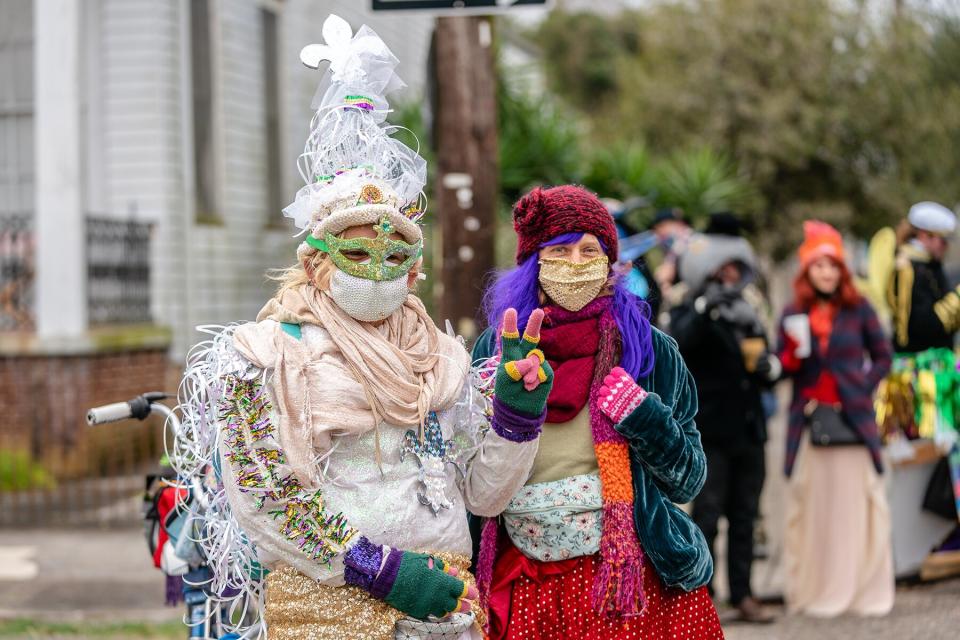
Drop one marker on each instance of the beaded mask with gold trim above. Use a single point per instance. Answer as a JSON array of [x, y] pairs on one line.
[[379, 258]]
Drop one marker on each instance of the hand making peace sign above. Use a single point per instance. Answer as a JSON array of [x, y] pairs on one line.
[[524, 377]]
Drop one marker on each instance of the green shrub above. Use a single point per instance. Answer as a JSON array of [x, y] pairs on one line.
[[539, 143], [19, 472], [622, 170], [701, 182]]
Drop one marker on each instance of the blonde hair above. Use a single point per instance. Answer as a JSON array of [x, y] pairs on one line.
[[318, 264], [321, 267]]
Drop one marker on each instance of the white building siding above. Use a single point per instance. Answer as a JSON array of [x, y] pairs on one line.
[[229, 260], [140, 98], [141, 145], [16, 109], [137, 121]]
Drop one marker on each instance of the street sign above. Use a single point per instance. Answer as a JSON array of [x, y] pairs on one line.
[[459, 7]]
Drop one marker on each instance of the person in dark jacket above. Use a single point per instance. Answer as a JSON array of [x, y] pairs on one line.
[[926, 311], [724, 344]]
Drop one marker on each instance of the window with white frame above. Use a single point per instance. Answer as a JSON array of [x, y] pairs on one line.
[[17, 192], [16, 108]]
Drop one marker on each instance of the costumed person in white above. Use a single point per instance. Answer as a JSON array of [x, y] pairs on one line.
[[351, 435]]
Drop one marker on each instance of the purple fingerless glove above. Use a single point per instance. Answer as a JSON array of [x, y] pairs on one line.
[[417, 584], [383, 583], [514, 426]]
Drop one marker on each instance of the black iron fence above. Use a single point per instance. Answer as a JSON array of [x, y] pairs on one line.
[[118, 271]]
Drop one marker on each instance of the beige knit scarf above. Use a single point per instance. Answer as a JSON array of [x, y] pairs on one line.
[[393, 372]]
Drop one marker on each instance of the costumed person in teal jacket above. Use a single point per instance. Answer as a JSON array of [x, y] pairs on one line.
[[592, 546]]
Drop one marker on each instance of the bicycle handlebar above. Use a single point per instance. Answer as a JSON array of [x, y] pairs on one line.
[[109, 413], [138, 408]]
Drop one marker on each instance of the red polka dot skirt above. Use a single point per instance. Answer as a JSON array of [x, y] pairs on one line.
[[551, 601]]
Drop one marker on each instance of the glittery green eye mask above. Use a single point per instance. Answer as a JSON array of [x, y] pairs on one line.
[[379, 255]]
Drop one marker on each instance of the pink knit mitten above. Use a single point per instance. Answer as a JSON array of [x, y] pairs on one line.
[[620, 395]]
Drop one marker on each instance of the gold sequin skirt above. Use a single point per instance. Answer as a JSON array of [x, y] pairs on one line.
[[299, 608]]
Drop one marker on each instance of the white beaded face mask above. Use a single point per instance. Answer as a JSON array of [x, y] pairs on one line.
[[573, 285], [368, 300]]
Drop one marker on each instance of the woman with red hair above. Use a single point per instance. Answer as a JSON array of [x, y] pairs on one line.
[[837, 547]]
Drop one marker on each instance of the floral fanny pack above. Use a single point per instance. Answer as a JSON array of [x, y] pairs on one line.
[[557, 520]]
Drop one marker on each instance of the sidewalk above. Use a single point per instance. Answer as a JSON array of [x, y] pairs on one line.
[[80, 575]]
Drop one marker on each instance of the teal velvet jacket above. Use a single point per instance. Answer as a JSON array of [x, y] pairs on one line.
[[667, 463]]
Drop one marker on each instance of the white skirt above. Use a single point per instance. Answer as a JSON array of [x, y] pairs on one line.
[[837, 547]]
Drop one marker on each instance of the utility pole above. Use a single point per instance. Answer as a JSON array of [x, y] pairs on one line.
[[466, 190]]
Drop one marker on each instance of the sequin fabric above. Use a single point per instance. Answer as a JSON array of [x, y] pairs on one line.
[[382, 500], [299, 608], [457, 627], [367, 300], [257, 461], [573, 285], [362, 563], [433, 454]]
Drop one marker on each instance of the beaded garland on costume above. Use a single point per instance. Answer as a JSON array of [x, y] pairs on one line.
[[250, 436], [433, 453]]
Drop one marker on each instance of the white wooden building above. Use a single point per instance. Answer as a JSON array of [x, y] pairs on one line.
[[146, 150], [161, 127]]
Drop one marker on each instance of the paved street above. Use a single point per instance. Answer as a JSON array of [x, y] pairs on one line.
[[928, 612], [89, 577]]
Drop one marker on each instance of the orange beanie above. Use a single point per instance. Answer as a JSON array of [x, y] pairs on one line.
[[820, 239]]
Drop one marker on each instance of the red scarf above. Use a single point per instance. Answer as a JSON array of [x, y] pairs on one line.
[[571, 340]]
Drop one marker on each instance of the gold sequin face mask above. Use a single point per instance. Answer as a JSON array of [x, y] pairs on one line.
[[380, 258], [573, 285]]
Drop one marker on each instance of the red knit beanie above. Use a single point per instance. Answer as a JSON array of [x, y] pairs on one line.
[[544, 214]]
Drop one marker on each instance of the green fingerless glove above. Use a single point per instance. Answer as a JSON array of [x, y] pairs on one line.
[[418, 590], [524, 377], [404, 580]]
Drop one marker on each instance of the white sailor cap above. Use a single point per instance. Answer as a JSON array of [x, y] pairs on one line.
[[932, 217]]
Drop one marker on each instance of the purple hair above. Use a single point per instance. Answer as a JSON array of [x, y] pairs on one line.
[[520, 288]]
